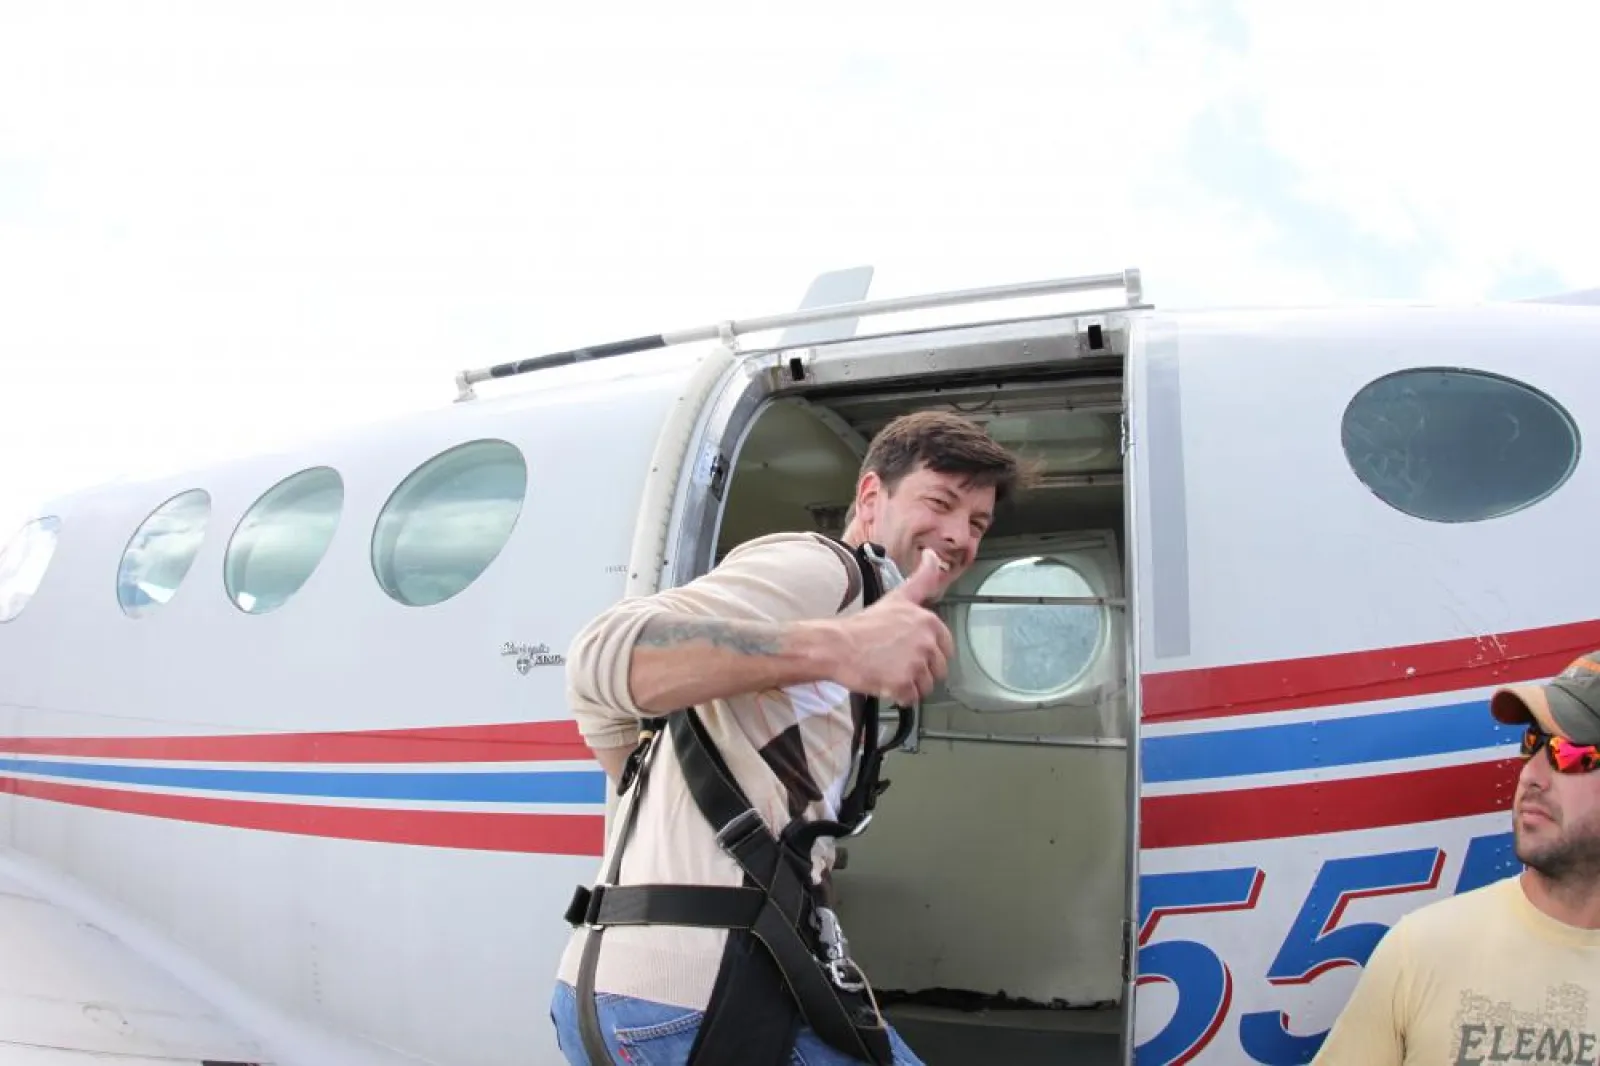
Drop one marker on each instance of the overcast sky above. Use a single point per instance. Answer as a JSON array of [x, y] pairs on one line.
[[223, 222]]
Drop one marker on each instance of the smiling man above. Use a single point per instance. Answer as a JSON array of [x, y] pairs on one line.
[[771, 654], [1510, 971]]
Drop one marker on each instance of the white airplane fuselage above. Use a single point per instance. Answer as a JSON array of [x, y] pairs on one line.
[[315, 756]]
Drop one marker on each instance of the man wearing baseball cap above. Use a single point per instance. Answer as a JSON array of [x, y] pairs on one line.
[[1509, 971], [1568, 706]]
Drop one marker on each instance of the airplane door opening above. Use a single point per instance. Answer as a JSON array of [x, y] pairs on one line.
[[987, 901]]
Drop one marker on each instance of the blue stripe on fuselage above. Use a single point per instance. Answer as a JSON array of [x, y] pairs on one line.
[[1323, 743], [569, 786]]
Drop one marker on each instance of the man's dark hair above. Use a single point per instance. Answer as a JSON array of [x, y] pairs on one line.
[[946, 443]]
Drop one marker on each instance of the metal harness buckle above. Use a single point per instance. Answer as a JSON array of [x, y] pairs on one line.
[[845, 973]]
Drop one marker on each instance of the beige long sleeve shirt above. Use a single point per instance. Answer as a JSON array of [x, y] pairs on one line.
[[790, 751]]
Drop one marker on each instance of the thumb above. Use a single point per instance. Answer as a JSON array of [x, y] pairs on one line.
[[920, 586]]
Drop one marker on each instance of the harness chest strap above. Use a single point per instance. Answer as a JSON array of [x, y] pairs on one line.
[[772, 973]]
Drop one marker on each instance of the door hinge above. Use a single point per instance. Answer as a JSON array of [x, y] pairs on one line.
[[719, 474]]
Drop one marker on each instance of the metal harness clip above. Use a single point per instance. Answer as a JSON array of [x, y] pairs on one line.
[[845, 973]]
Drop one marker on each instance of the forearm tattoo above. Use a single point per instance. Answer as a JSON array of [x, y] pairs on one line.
[[746, 638]]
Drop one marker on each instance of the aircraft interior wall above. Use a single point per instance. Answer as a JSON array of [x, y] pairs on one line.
[[995, 871]]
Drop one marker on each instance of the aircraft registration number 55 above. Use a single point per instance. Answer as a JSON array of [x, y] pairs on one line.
[[1316, 942]]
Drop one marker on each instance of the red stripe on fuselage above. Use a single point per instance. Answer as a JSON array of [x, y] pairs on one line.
[[1362, 676], [549, 834], [1328, 806], [512, 742]]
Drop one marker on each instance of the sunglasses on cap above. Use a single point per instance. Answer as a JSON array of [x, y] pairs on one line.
[[1565, 756]]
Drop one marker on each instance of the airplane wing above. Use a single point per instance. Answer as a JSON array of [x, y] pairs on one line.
[[71, 995], [1578, 296]]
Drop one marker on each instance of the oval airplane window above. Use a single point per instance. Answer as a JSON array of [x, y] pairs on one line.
[[1458, 445], [23, 562], [1038, 649], [158, 557], [282, 539], [448, 521]]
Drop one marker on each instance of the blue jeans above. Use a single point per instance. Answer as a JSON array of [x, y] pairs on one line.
[[641, 1033]]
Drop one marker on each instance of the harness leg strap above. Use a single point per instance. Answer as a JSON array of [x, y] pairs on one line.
[[841, 1019], [750, 1020]]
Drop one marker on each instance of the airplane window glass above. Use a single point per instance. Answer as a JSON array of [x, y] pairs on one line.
[[282, 538], [23, 562], [448, 521], [1457, 445], [161, 552], [1035, 648]]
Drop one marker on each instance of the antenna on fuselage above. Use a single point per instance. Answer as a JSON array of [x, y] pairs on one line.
[[833, 289]]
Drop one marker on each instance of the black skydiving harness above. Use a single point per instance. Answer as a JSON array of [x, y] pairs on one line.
[[786, 960]]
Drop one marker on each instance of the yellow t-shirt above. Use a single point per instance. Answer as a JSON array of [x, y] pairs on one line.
[[1482, 977]]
